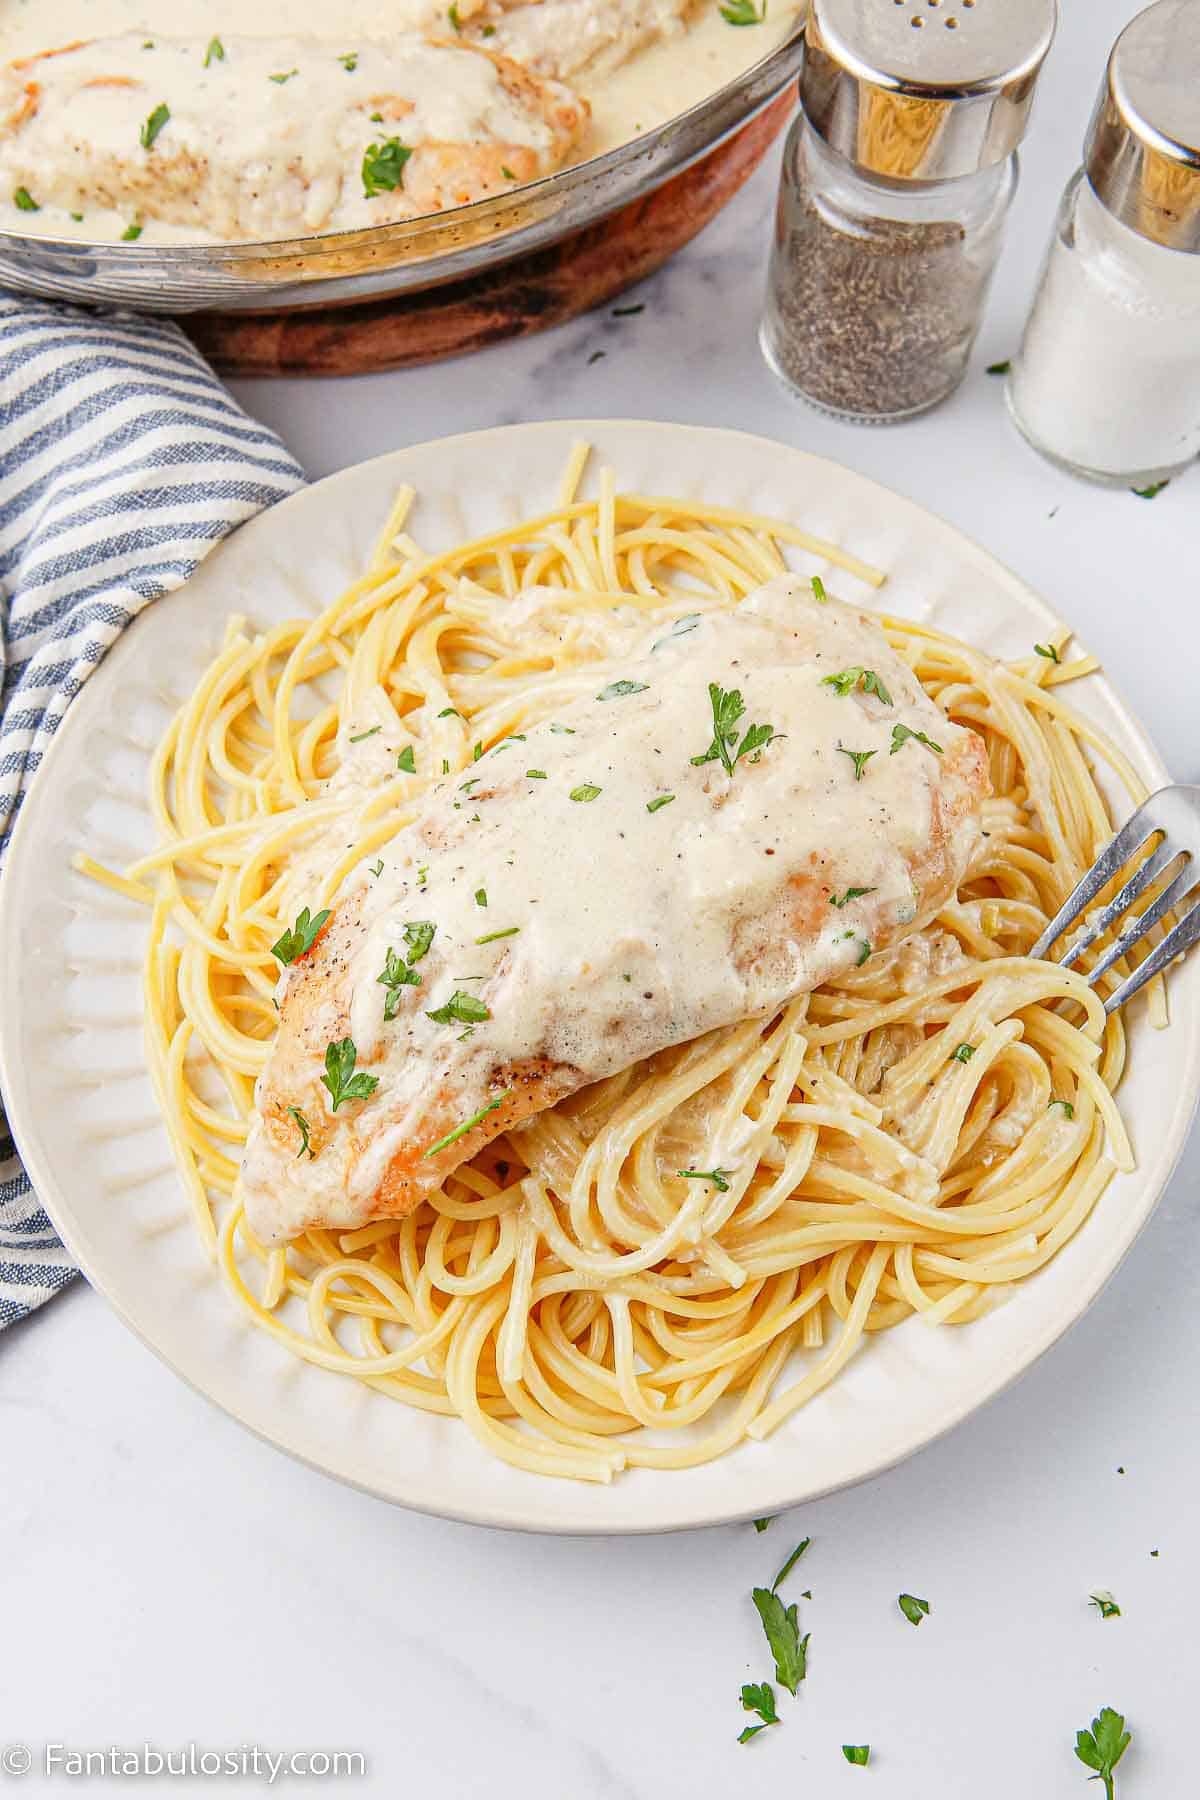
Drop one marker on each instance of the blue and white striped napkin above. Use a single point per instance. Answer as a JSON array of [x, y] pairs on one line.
[[122, 462]]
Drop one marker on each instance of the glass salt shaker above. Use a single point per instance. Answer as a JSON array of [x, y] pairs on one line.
[[1107, 379], [897, 178]]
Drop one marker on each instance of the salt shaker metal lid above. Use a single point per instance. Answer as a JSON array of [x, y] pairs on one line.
[[923, 90], [1142, 153]]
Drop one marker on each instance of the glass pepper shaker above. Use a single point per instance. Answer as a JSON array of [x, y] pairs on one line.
[[1107, 379], [897, 177]]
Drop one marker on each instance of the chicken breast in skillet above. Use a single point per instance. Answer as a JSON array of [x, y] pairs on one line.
[[566, 38], [624, 878], [248, 138]]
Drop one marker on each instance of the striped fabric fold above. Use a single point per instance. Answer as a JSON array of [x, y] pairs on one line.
[[122, 462]]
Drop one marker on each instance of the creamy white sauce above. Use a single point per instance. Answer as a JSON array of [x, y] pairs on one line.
[[634, 929], [268, 139], [659, 80]]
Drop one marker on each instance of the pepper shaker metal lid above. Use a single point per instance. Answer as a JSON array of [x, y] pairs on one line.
[[1142, 153], [923, 90]]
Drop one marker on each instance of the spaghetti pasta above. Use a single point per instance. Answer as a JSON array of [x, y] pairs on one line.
[[914, 1138]]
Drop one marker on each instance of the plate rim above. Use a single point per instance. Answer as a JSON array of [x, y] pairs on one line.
[[496, 1514]]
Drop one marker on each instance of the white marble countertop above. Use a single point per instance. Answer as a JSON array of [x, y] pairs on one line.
[[168, 1577]]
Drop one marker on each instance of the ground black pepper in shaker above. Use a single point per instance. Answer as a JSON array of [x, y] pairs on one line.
[[897, 178]]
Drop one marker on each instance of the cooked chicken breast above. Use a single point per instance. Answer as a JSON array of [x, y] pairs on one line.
[[565, 38], [604, 887], [277, 137]]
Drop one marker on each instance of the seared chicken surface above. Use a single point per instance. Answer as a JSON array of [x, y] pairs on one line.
[[605, 887], [277, 137]]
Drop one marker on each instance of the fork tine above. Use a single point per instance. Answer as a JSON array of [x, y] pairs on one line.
[[1141, 878], [1181, 938], [1172, 894], [1114, 856]]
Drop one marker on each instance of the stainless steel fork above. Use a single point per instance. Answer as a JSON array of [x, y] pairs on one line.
[[1174, 812]]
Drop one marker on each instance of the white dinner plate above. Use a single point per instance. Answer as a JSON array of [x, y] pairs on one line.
[[80, 1101]]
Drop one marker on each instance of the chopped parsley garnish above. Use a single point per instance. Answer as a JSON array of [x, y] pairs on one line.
[[913, 1609], [132, 231], [300, 938], [758, 1697], [24, 200], [716, 1176], [999, 368], [396, 974], [1048, 651], [377, 868], [536, 775], [406, 761], [1068, 1110], [302, 1126], [492, 936], [477, 751], [422, 875], [376, 118], [818, 588], [419, 936], [790, 1564], [487, 31], [481, 896], [585, 791], [660, 800], [78, 218], [864, 953], [851, 893], [215, 52], [901, 735], [349, 61], [964, 1053], [1104, 1603], [616, 690], [727, 709], [452, 15], [761, 1524], [782, 1629], [460, 1009], [339, 1076], [362, 736], [1103, 1746], [445, 766], [449, 712], [846, 680], [742, 12], [858, 1754], [507, 172], [286, 76], [459, 1131], [1148, 493], [464, 787], [383, 166], [564, 730], [154, 125], [860, 759], [680, 628]]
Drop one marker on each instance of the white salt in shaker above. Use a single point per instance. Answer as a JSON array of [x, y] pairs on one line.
[[1107, 379]]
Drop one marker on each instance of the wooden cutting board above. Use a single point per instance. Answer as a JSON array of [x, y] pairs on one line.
[[523, 296]]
